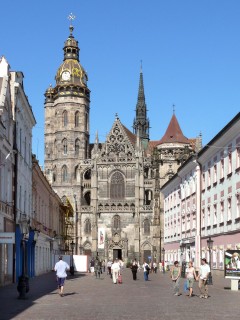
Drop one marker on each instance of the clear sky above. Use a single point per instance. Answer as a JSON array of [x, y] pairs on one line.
[[190, 51]]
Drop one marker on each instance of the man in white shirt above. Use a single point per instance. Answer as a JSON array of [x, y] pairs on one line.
[[61, 267], [203, 277], [115, 270]]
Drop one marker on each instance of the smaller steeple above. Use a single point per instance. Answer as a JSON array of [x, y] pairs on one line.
[[141, 122]]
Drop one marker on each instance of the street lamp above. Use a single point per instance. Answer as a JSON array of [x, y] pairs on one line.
[[183, 262], [23, 280], [210, 246], [72, 245], [163, 262]]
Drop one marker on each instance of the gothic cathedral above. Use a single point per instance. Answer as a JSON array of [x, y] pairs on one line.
[[113, 187]]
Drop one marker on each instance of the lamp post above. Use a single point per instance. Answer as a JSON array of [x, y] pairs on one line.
[[183, 263], [23, 280], [72, 244], [163, 262], [210, 245]]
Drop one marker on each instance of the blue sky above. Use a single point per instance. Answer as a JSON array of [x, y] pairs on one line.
[[190, 51]]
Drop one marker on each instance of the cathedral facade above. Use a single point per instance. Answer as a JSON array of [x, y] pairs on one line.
[[112, 186]]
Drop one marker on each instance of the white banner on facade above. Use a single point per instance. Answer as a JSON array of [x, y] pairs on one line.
[[101, 238], [7, 237]]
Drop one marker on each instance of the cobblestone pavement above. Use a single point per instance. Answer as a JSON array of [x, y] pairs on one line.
[[87, 298]]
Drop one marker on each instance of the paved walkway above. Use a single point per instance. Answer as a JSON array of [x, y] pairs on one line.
[[87, 298]]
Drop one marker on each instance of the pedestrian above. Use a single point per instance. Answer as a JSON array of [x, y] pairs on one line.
[[155, 267], [92, 263], [120, 265], [175, 276], [115, 268], [204, 272], [103, 266], [61, 267], [146, 270], [109, 265], [97, 268], [134, 268], [190, 276], [160, 266]]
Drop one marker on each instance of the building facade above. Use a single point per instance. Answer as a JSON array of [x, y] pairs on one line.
[[112, 186], [7, 221], [202, 200], [48, 220]]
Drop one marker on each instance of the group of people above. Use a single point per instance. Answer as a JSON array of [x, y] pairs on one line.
[[191, 276], [114, 270]]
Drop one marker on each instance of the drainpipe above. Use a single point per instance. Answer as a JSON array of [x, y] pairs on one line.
[[15, 186], [198, 217]]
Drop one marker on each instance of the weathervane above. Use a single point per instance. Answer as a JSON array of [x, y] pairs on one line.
[[71, 17]]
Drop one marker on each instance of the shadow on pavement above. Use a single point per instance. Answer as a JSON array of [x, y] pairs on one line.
[[40, 286]]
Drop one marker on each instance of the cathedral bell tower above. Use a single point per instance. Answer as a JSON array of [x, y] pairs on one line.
[[67, 123], [141, 122]]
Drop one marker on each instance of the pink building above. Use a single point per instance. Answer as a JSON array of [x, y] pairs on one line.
[[202, 200]]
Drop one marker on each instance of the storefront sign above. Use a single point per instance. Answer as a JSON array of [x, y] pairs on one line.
[[232, 264], [7, 237]]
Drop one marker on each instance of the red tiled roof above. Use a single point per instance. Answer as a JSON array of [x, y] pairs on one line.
[[131, 136], [173, 133]]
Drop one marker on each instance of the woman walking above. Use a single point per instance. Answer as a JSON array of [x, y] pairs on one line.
[[190, 275], [175, 276]]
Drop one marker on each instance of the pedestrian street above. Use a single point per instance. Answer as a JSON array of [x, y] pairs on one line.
[[88, 298]]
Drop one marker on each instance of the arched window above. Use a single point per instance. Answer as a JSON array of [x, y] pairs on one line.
[[76, 172], [146, 226], [65, 146], [77, 119], [87, 198], [77, 147], [87, 227], [55, 147], [54, 174], [148, 197], [117, 186], [65, 118], [87, 174], [64, 173], [116, 222]]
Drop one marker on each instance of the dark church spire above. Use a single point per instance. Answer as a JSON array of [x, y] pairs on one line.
[[141, 122]]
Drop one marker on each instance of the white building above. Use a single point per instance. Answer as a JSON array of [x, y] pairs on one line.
[[7, 225], [24, 122]]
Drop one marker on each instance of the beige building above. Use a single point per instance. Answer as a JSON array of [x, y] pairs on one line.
[[113, 186], [48, 219]]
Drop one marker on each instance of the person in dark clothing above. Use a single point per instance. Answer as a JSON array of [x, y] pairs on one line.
[[134, 268], [97, 268]]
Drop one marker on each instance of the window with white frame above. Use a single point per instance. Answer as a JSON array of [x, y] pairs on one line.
[[188, 222], [209, 178], [183, 224], [208, 216], [229, 210], [221, 211], [203, 217], [215, 213], [222, 168], [229, 161], [194, 221], [215, 173], [237, 206], [203, 180], [238, 156]]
